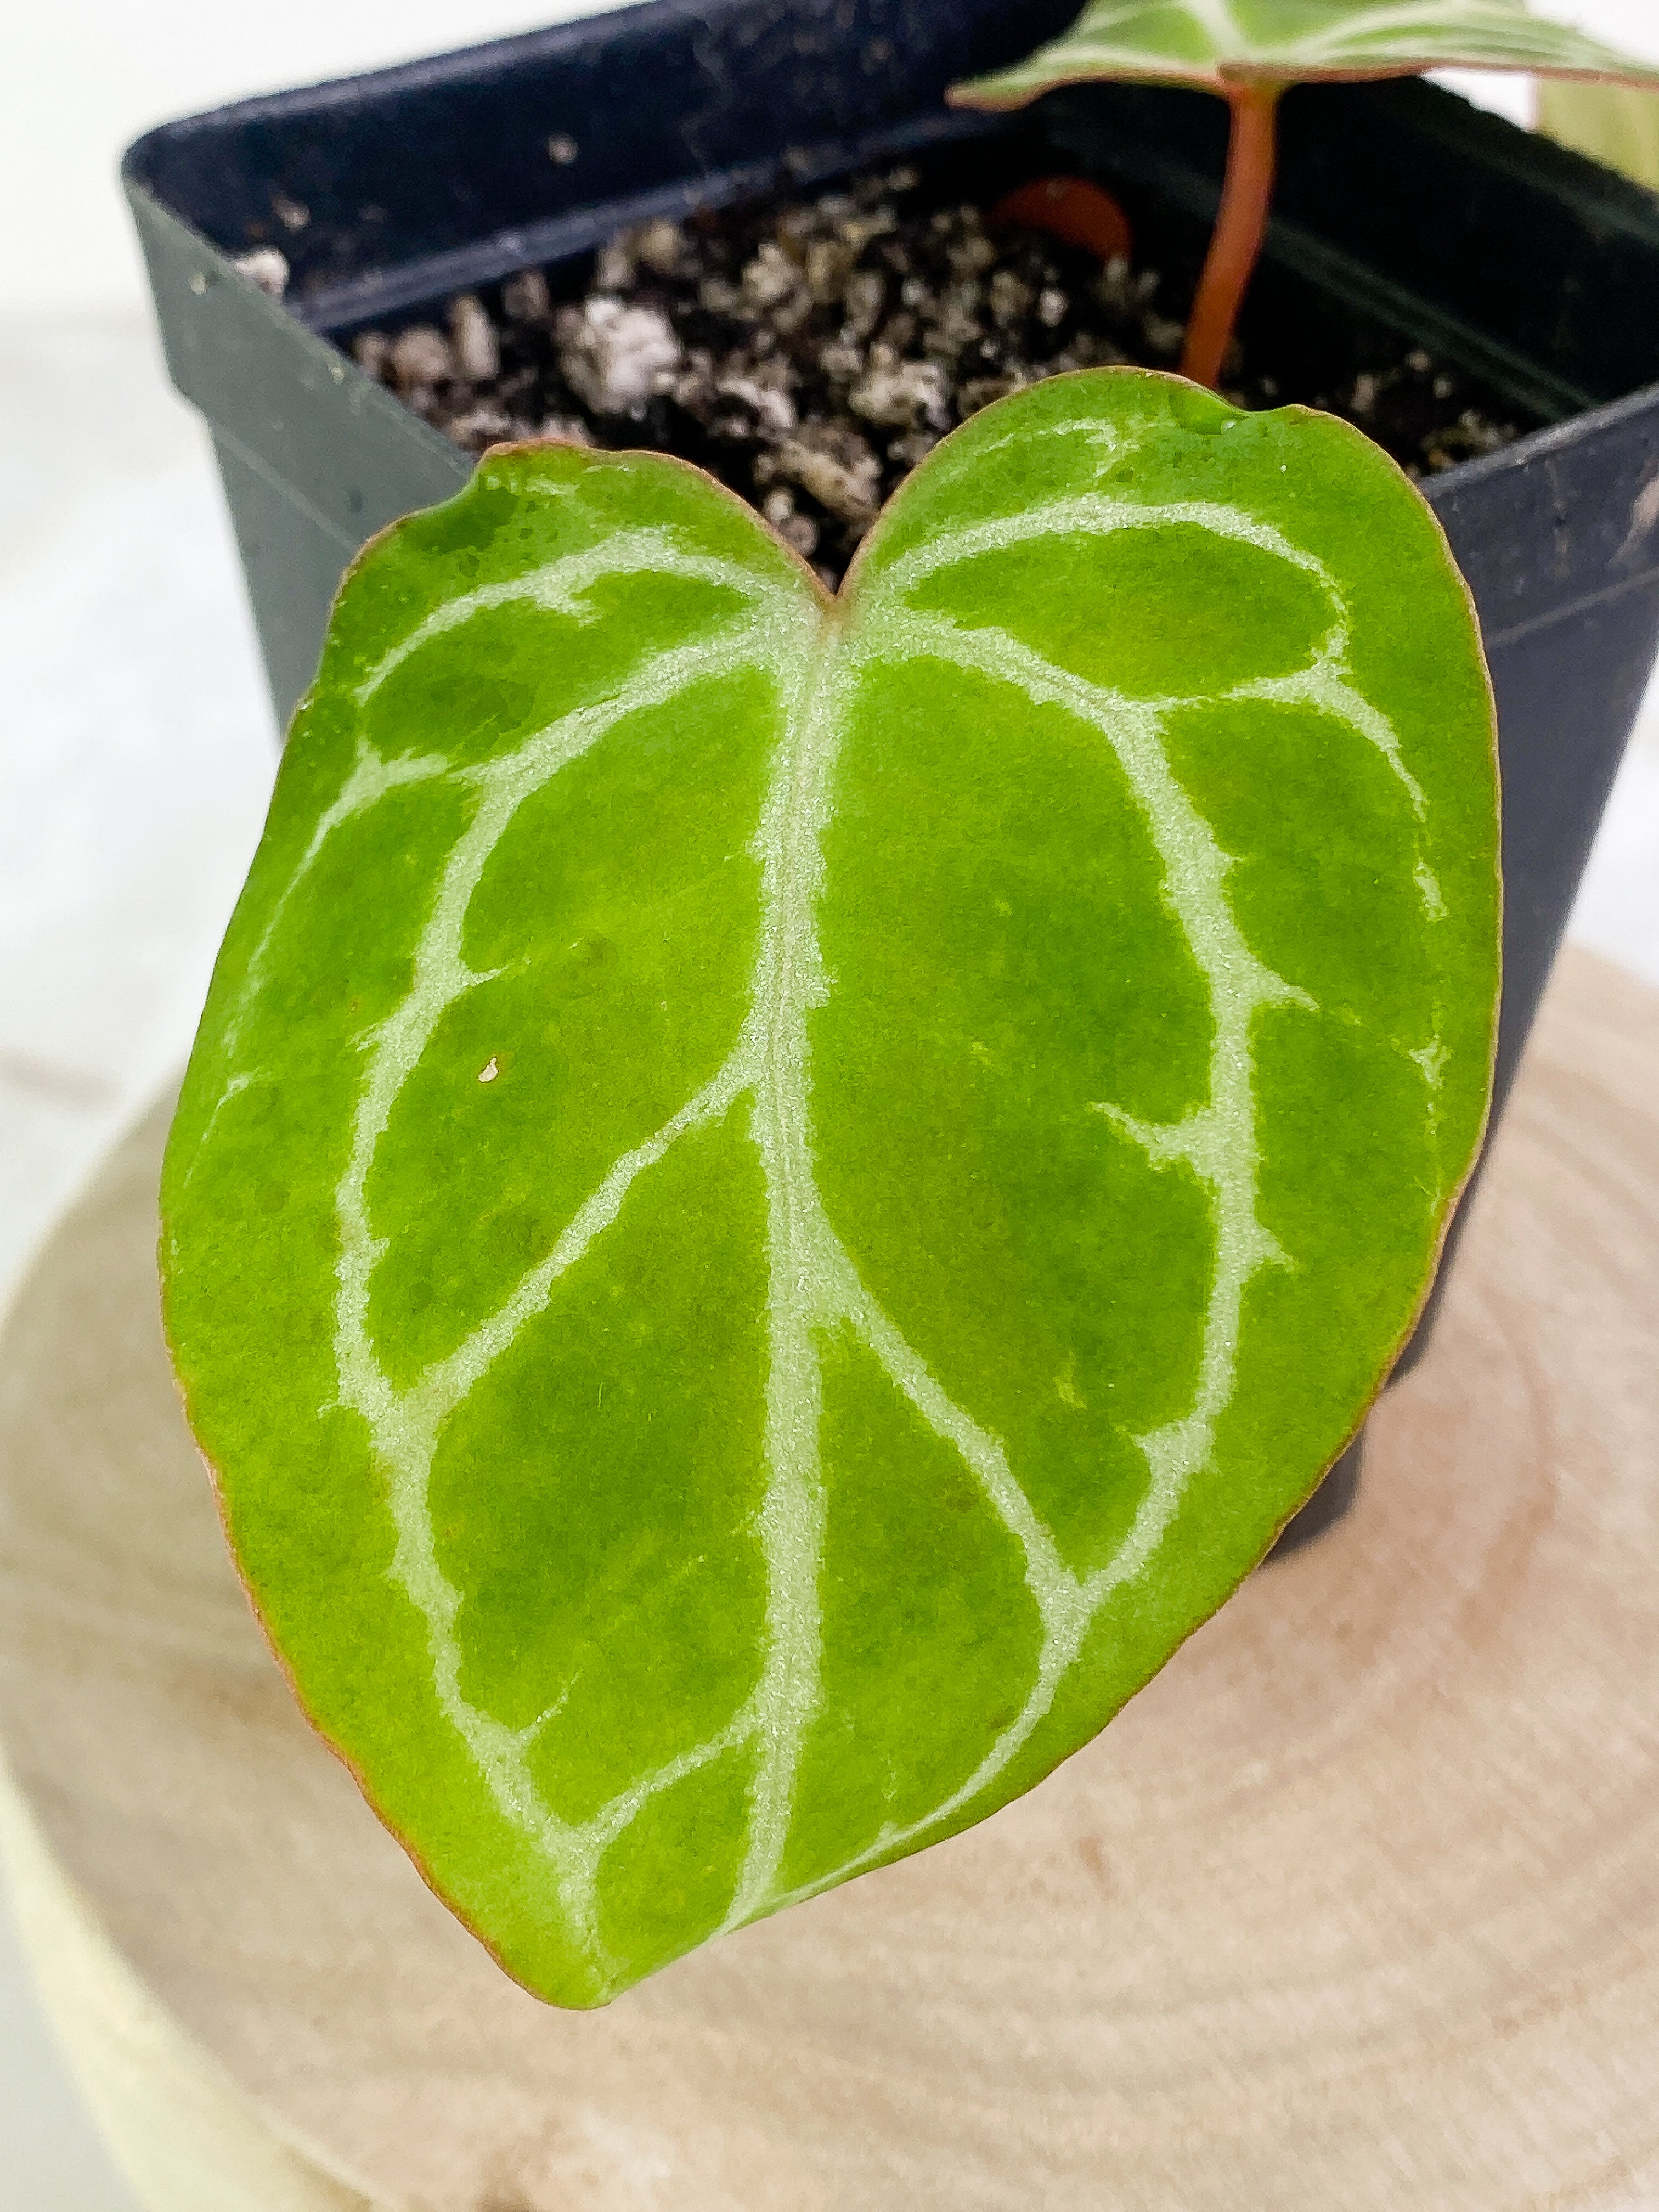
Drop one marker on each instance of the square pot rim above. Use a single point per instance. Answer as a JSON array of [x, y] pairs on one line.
[[1541, 444], [1622, 204]]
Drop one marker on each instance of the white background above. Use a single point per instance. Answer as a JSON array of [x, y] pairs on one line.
[[136, 747]]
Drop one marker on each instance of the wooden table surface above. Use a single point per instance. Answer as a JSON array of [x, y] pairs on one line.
[[1357, 1907]]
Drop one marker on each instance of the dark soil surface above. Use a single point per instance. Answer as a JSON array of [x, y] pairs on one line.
[[809, 352]]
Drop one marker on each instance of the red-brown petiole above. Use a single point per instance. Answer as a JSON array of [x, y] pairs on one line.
[[1240, 225]]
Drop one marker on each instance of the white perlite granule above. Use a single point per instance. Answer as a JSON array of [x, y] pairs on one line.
[[612, 356]]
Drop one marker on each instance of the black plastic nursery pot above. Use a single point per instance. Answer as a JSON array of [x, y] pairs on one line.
[[1401, 212]]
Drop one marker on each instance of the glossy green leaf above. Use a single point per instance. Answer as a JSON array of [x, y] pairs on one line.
[[1220, 43], [777, 1196]]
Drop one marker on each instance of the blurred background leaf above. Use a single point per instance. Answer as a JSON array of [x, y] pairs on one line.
[[1617, 124]]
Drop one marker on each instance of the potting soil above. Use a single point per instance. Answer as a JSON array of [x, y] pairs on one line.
[[809, 351]]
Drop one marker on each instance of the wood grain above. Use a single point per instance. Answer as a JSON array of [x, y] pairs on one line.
[[1357, 1907]]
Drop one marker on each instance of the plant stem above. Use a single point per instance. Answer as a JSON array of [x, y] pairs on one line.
[[1239, 225]]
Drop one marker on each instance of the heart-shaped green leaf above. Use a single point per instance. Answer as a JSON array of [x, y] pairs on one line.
[[778, 1196], [1227, 43]]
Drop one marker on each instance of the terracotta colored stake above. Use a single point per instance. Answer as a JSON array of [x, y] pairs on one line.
[[1071, 210], [1239, 223]]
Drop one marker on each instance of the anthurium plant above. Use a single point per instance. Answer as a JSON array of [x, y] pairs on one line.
[[1251, 52], [779, 1194]]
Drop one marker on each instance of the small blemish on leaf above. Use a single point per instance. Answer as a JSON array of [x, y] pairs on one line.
[[1199, 411], [1065, 1385], [489, 1071]]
